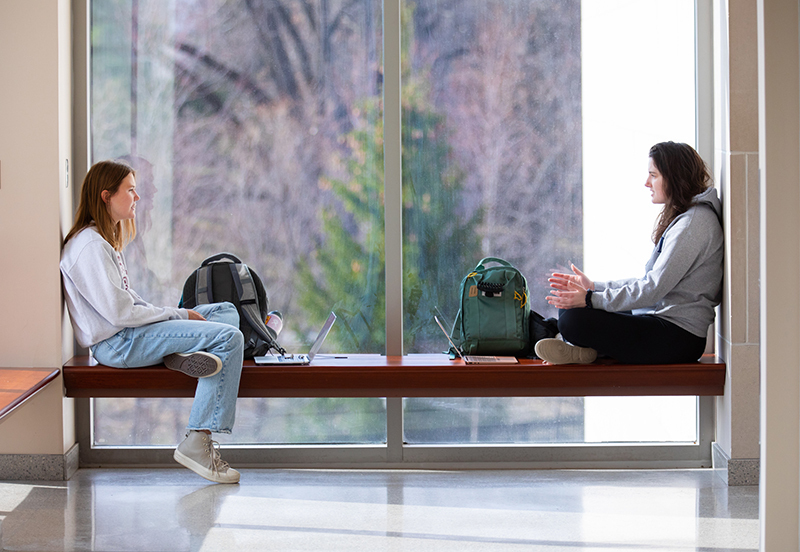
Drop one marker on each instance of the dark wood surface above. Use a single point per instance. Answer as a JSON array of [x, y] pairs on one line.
[[19, 384], [431, 375]]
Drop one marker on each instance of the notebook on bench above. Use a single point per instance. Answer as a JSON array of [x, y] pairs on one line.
[[476, 359]]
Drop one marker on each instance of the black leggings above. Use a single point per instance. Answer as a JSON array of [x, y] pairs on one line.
[[630, 338]]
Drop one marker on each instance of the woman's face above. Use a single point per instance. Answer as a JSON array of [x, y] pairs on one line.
[[122, 205], [655, 181]]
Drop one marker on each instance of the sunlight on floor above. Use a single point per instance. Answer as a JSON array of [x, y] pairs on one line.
[[551, 510]]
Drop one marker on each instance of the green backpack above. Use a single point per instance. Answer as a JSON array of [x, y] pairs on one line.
[[494, 315]]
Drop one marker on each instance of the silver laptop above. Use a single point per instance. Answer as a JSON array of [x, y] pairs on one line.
[[476, 359], [300, 359]]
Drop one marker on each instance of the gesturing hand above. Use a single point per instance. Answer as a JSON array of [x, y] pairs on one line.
[[577, 277], [568, 291]]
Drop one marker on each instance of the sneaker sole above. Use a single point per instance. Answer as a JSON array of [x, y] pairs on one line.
[[200, 470], [556, 351], [196, 365]]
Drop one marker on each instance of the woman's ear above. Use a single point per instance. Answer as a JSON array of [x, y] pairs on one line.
[[105, 195]]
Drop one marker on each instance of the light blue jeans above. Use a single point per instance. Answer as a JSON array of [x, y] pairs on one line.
[[214, 406]]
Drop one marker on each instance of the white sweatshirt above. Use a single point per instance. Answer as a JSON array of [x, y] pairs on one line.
[[100, 300]]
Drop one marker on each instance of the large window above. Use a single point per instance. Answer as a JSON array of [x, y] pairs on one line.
[[257, 128]]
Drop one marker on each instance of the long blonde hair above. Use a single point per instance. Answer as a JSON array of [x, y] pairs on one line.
[[104, 175]]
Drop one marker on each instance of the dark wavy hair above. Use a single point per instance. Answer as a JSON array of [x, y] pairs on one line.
[[685, 175]]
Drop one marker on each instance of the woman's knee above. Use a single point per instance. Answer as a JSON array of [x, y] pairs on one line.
[[228, 308], [224, 313], [220, 338], [230, 336], [570, 322], [237, 339], [231, 314]]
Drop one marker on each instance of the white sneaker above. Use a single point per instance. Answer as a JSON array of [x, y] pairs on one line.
[[198, 365], [556, 351], [200, 453]]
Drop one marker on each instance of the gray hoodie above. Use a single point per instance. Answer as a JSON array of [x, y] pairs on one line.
[[683, 278]]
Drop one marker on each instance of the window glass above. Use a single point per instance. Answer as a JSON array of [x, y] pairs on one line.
[[158, 422], [255, 128], [494, 420], [526, 128], [492, 148]]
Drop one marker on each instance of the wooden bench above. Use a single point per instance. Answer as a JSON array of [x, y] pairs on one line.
[[17, 385], [416, 375]]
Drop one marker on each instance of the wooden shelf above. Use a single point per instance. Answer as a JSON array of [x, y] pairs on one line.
[[19, 384], [423, 375]]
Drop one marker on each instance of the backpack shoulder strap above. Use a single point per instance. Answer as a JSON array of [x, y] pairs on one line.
[[248, 303], [203, 293]]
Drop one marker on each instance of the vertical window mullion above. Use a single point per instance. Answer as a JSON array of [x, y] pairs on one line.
[[393, 213], [393, 193], [704, 85]]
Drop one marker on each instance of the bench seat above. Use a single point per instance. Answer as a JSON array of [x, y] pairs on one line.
[[416, 375], [17, 385]]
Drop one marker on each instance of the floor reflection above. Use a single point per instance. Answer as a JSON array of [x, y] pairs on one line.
[[322, 510]]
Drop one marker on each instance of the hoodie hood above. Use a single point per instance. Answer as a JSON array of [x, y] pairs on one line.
[[710, 198]]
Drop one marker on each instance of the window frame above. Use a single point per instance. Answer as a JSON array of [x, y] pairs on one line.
[[395, 453]]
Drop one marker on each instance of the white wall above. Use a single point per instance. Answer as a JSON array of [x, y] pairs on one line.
[[779, 147], [35, 89], [736, 174]]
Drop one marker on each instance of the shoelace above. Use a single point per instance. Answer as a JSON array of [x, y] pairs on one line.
[[217, 463]]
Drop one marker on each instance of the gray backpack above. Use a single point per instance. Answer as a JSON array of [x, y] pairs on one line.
[[223, 277]]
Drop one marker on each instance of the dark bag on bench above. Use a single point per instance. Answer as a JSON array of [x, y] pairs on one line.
[[223, 277], [541, 328]]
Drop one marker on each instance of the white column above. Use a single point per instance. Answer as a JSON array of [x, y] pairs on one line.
[[779, 145]]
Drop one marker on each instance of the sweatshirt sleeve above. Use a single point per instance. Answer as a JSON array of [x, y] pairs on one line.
[[95, 276], [672, 260], [612, 284]]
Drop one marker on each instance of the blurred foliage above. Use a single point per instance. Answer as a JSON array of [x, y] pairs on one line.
[[352, 263]]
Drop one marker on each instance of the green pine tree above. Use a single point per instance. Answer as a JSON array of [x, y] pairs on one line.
[[348, 269]]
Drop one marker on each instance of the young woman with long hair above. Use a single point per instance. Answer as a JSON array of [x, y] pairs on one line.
[[124, 331], [663, 316]]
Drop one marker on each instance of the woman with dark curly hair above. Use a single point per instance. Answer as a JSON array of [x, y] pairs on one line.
[[663, 316]]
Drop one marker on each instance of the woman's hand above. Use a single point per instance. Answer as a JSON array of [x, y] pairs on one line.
[[568, 291], [577, 277], [194, 315]]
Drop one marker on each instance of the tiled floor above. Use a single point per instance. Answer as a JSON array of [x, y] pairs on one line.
[[322, 510]]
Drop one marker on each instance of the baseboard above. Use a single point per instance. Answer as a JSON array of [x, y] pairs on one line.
[[735, 472], [39, 467]]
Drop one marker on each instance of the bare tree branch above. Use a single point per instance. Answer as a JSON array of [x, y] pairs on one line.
[[242, 81], [281, 68], [302, 52]]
